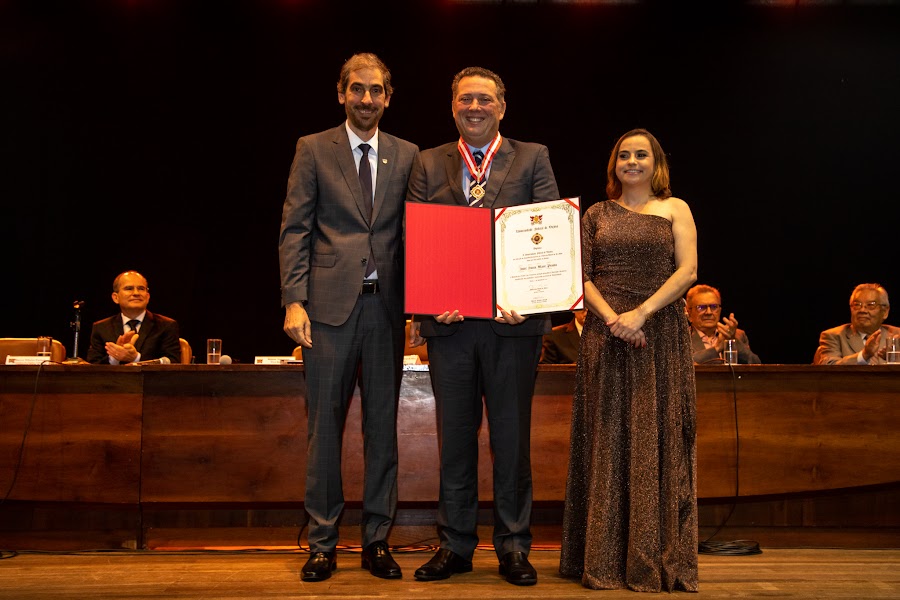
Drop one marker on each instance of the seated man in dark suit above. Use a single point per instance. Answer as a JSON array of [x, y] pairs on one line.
[[135, 334], [561, 344], [862, 340], [709, 329]]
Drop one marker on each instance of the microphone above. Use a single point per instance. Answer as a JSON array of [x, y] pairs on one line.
[[155, 361]]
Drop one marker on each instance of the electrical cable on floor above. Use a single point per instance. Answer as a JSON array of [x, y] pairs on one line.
[[736, 547]]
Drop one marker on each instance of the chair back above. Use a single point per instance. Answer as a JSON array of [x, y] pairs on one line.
[[28, 347], [187, 355]]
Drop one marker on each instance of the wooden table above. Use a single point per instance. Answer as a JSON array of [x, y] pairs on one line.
[[201, 436]]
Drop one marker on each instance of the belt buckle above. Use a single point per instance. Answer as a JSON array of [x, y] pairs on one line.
[[369, 287]]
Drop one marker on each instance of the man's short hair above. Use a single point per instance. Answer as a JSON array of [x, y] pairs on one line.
[[118, 280], [479, 72], [702, 289], [875, 287], [364, 60]]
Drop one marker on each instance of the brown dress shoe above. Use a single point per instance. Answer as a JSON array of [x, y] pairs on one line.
[[319, 566], [517, 570], [376, 557], [442, 565]]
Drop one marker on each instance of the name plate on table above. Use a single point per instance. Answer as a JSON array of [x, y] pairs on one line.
[[524, 258], [276, 360], [27, 360]]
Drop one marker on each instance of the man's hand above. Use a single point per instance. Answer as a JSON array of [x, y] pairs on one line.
[[510, 318], [123, 349], [297, 325], [871, 347], [449, 317], [415, 339]]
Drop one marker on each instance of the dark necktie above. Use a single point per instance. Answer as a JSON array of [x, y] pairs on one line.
[[133, 324], [365, 182], [478, 155]]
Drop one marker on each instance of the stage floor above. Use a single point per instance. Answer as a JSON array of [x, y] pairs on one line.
[[805, 574]]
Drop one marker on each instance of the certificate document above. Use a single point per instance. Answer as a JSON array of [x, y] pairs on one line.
[[480, 261], [537, 257]]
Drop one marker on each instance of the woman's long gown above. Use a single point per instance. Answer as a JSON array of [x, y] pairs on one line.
[[631, 509]]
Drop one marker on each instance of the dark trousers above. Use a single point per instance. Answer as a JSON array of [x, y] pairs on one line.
[[370, 345], [472, 362]]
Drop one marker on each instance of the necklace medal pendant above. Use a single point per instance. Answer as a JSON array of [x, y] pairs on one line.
[[477, 191]]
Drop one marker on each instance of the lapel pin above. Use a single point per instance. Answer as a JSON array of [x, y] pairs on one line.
[[384, 161]]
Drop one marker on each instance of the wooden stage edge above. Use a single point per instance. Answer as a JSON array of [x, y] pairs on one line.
[[796, 574]]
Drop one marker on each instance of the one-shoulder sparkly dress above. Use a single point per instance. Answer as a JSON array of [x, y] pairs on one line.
[[631, 495]]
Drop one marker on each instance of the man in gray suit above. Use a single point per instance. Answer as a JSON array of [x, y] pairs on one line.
[[474, 357], [341, 254], [709, 329], [862, 340]]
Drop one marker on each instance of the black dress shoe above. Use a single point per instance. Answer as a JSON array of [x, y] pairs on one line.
[[517, 570], [442, 565], [319, 566], [378, 560]]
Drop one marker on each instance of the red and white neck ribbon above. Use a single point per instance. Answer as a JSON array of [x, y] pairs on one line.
[[479, 172]]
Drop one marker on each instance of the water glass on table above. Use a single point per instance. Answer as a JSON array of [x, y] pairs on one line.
[[730, 353], [44, 344], [213, 351], [892, 352]]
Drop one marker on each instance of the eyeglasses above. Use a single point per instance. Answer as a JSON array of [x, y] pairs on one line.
[[704, 307], [867, 305]]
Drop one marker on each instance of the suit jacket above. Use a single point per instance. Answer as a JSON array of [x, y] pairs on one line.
[[158, 337], [703, 355], [840, 345], [520, 174], [561, 345], [325, 234]]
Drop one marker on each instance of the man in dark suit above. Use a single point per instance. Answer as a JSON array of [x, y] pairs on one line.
[[342, 288], [135, 334], [709, 329], [562, 343], [496, 358], [862, 341]]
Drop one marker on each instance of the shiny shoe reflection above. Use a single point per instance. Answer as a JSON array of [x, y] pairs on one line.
[[319, 566], [376, 557], [442, 565]]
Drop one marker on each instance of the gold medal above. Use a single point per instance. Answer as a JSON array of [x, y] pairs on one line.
[[477, 191]]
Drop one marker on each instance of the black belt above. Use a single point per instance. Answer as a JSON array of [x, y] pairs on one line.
[[369, 287]]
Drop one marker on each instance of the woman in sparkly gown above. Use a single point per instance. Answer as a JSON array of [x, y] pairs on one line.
[[631, 508]]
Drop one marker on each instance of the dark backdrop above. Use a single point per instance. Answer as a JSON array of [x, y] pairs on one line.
[[157, 136]]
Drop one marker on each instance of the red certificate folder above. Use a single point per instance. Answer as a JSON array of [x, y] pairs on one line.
[[480, 261], [449, 260]]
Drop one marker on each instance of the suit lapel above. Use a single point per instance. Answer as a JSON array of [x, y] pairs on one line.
[[854, 340], [696, 341], [343, 154], [387, 151], [453, 167], [146, 329]]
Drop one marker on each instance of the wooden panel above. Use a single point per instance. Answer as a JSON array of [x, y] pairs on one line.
[[224, 434], [77, 431], [801, 428]]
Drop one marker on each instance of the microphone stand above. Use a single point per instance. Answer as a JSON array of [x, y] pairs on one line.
[[76, 325]]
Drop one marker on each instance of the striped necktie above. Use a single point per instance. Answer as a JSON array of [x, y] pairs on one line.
[[478, 155]]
